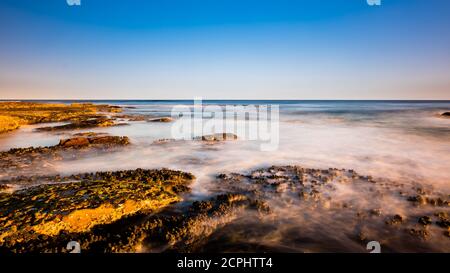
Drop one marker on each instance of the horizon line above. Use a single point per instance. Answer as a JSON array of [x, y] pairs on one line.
[[128, 99]]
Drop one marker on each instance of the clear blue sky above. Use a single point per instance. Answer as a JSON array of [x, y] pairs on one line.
[[225, 49]]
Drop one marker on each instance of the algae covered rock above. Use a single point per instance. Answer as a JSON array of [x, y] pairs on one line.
[[96, 140], [74, 142], [15, 114], [91, 199], [161, 119], [32, 159], [183, 229], [82, 124]]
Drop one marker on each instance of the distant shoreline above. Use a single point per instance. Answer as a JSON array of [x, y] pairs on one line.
[[227, 100]]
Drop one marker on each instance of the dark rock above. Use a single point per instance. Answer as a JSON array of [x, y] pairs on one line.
[[202, 205], [444, 220], [261, 206], [218, 137], [166, 140], [395, 220], [109, 140], [74, 142], [82, 124], [419, 199], [162, 119], [33, 158], [438, 202], [132, 117], [89, 134], [419, 233], [47, 212], [376, 212], [221, 176], [425, 220]]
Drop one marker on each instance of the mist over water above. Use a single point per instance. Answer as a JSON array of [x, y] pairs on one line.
[[397, 140], [404, 142]]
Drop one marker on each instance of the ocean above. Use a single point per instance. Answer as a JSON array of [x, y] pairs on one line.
[[398, 142], [398, 139]]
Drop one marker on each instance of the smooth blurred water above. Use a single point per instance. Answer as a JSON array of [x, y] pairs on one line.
[[404, 142], [395, 139]]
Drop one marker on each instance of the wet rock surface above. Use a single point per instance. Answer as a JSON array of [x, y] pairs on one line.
[[446, 114], [82, 124], [275, 209], [93, 141], [15, 114], [129, 117], [161, 119], [211, 139], [218, 137], [89, 134], [37, 217], [336, 210], [174, 229], [34, 158], [8, 124]]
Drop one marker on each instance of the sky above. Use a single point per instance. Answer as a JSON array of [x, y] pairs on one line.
[[225, 49]]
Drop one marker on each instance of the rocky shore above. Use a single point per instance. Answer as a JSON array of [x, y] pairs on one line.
[[77, 115], [82, 202], [15, 114], [32, 159], [270, 209], [129, 211]]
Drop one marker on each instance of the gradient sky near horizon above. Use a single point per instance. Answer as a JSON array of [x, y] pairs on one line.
[[225, 49]]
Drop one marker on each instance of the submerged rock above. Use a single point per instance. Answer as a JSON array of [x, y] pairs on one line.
[[133, 117], [395, 220], [444, 220], [89, 134], [214, 138], [425, 220], [343, 199], [217, 137], [419, 233], [376, 212], [83, 124], [418, 199], [166, 141], [161, 119], [249, 208], [433, 201]]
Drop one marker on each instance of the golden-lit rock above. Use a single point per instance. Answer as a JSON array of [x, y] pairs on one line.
[[98, 198], [15, 114]]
